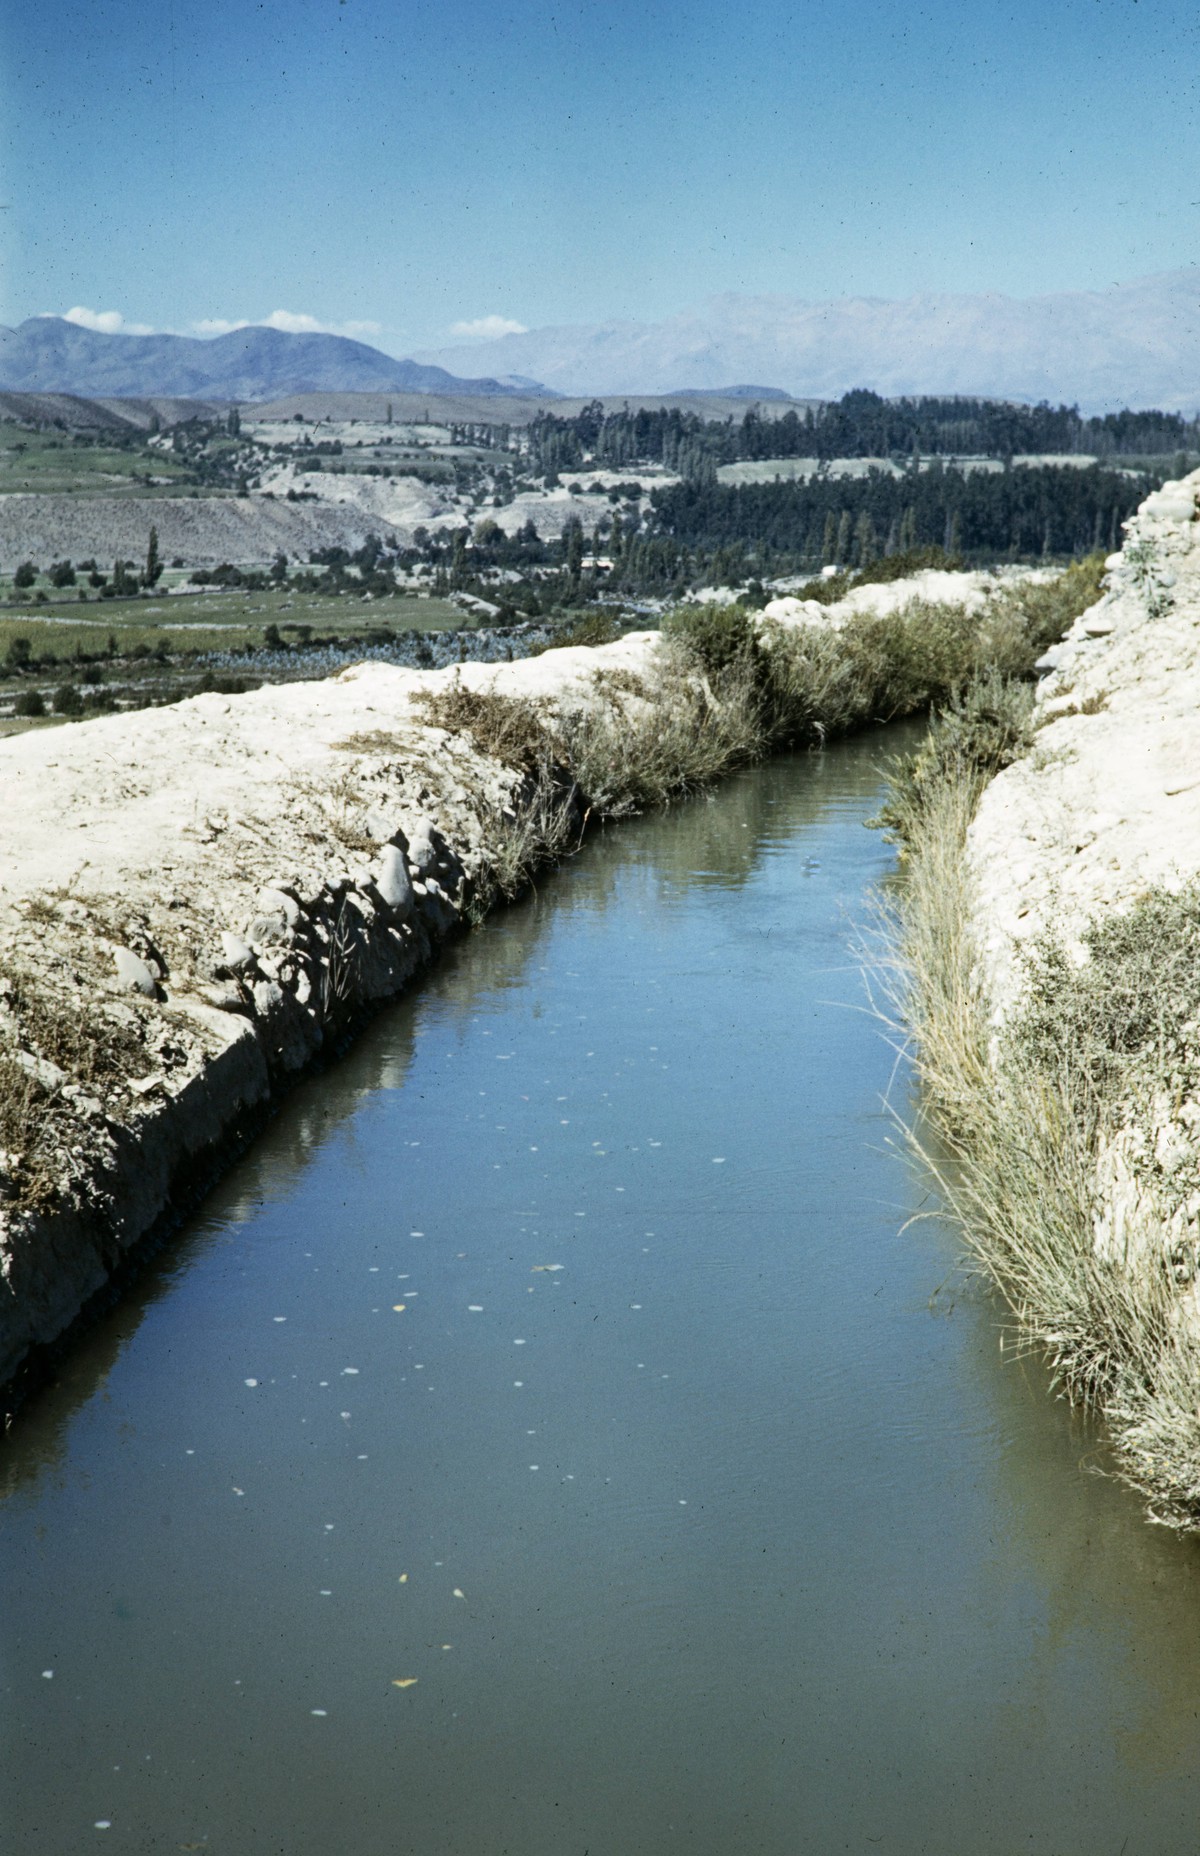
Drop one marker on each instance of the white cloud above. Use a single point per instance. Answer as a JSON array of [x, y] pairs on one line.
[[112, 322], [292, 324], [487, 328], [105, 321], [289, 321]]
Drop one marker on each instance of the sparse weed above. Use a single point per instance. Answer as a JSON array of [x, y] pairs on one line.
[[519, 840], [371, 741]]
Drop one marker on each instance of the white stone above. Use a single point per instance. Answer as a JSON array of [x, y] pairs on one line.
[[267, 995], [236, 954], [278, 902], [378, 826], [421, 852], [133, 973], [392, 881]]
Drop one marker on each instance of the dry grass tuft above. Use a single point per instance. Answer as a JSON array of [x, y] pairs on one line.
[[371, 741], [509, 729], [54, 1037]]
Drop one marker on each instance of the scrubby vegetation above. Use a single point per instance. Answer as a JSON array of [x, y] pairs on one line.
[[728, 687]]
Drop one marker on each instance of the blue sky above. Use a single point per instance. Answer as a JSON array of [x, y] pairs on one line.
[[400, 170]]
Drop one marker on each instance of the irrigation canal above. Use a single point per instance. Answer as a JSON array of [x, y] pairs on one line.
[[553, 1438]]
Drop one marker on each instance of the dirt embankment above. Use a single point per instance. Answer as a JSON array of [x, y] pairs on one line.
[[204, 531], [1108, 802], [194, 903]]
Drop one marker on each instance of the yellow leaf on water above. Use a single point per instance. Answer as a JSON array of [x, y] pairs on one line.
[[398, 1308], [404, 1682], [459, 1594], [403, 1578]]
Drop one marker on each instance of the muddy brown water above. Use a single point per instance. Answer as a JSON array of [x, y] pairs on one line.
[[554, 1438]]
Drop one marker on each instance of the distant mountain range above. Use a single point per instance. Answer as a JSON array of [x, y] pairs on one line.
[[1135, 344], [47, 354]]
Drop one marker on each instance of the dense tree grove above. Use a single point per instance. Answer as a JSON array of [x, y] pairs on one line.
[[1023, 511], [860, 424]]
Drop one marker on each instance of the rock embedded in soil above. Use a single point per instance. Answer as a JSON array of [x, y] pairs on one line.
[[133, 974]]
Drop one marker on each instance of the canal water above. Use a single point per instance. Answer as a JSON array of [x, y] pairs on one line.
[[557, 1438]]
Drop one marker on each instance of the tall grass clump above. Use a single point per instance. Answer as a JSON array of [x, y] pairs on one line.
[[986, 725], [646, 742], [1066, 1147]]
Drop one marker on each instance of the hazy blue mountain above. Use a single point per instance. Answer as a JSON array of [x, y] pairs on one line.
[[50, 355], [745, 393], [1136, 344]]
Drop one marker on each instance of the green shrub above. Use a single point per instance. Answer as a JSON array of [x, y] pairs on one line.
[[29, 703], [67, 700], [590, 628], [716, 636], [908, 561], [827, 590], [1048, 610]]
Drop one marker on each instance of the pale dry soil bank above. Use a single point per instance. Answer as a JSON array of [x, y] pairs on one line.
[[1102, 813], [207, 530], [216, 890], [1108, 803]]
